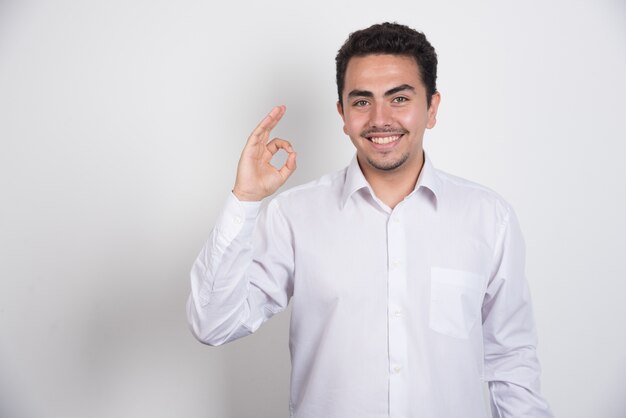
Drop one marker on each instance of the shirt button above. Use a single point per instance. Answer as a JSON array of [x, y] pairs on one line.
[[237, 219], [396, 369], [395, 220], [397, 313], [394, 264]]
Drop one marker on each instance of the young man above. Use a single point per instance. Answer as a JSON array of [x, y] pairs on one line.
[[407, 284]]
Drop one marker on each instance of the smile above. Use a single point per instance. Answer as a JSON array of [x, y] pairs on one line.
[[384, 139]]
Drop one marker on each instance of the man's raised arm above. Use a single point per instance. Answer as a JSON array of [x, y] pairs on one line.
[[235, 285]]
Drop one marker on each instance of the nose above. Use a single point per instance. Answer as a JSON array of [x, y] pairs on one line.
[[380, 115]]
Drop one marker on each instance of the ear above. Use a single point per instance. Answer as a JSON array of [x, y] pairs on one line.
[[340, 111], [432, 110]]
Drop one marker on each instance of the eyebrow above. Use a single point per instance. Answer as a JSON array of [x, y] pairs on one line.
[[398, 89], [390, 92]]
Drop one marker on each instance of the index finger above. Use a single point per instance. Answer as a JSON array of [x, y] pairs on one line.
[[263, 129]]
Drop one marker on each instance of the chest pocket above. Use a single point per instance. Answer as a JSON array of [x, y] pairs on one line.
[[455, 301]]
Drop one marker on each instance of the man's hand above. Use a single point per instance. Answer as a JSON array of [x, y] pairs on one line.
[[257, 178]]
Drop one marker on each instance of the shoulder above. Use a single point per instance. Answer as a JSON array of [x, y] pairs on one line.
[[460, 193], [326, 190]]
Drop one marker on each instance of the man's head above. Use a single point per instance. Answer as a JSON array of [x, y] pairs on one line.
[[390, 39], [387, 98]]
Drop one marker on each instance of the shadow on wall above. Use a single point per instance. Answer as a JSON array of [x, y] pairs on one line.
[[256, 372]]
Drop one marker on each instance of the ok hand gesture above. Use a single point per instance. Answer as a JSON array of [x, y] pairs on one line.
[[257, 178]]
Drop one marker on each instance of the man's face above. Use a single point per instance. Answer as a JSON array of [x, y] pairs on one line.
[[385, 113]]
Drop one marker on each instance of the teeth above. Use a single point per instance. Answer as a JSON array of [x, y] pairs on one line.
[[385, 140]]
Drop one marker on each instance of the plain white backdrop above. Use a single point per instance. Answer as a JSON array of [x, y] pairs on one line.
[[121, 123]]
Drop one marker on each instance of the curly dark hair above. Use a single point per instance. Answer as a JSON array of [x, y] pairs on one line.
[[390, 38]]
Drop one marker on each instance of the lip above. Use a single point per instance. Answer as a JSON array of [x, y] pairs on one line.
[[387, 146]]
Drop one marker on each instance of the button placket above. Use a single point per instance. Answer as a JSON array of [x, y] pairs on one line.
[[397, 324]]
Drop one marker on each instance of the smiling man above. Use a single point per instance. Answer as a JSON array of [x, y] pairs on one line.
[[407, 284]]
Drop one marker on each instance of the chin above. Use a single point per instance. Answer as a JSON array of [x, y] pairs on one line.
[[389, 166]]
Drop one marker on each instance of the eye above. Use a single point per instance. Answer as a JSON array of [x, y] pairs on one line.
[[360, 103], [400, 99]]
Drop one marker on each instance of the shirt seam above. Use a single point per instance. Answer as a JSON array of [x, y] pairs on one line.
[[500, 239], [281, 214]]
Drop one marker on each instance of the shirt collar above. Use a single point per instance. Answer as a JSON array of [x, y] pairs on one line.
[[355, 180]]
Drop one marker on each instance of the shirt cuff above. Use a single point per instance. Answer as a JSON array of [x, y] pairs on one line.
[[251, 208], [236, 217]]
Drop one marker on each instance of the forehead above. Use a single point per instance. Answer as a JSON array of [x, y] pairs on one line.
[[384, 70]]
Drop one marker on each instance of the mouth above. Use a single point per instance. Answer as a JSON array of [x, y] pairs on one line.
[[382, 140]]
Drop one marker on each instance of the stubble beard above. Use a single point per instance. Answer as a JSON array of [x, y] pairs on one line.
[[389, 165]]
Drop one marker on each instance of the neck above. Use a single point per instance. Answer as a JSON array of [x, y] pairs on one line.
[[393, 186]]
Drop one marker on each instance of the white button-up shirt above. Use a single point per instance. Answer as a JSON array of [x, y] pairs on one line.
[[401, 312]]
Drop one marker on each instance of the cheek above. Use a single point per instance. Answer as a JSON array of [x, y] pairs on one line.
[[412, 120], [355, 122]]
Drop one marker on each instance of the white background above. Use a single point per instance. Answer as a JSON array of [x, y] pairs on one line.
[[121, 124]]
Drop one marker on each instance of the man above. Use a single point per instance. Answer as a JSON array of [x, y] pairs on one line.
[[407, 284]]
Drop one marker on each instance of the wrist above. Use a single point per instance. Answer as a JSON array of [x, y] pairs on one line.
[[246, 197]]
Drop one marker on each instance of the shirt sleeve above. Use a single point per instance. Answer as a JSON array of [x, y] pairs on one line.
[[511, 365], [243, 274]]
